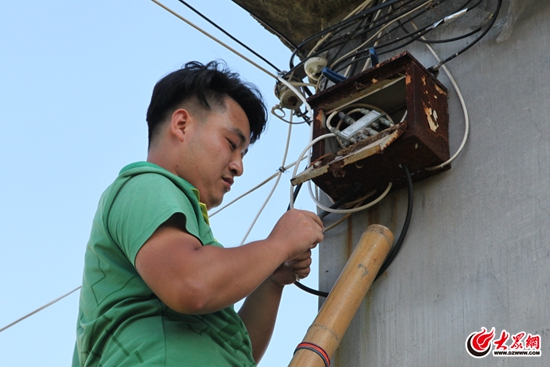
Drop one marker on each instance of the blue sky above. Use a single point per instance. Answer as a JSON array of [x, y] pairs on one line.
[[75, 82]]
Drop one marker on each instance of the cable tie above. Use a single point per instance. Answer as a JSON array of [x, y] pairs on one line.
[[282, 73], [316, 349], [282, 169]]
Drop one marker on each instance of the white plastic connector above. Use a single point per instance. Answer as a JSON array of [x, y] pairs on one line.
[[313, 67], [288, 98]]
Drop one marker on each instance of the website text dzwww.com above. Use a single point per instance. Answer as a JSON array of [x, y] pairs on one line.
[[517, 353]]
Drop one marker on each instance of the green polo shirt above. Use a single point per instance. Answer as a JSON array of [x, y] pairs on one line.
[[121, 322]]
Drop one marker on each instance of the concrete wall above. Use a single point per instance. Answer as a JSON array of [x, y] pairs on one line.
[[477, 253]]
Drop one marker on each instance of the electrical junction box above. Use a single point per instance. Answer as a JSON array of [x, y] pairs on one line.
[[396, 113]]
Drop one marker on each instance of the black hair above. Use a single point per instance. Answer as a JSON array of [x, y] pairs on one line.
[[208, 85]]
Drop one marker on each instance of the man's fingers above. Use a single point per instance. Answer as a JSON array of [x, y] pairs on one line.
[[302, 262], [316, 218], [304, 255], [302, 273]]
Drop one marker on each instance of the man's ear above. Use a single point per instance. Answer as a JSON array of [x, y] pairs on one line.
[[179, 123]]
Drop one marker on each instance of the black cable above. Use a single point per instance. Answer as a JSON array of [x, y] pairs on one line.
[[337, 204], [412, 36], [340, 40], [408, 42], [304, 116], [378, 47], [364, 32], [448, 40], [402, 26], [311, 290], [344, 199], [395, 248], [229, 35], [369, 27], [494, 16], [279, 34], [347, 41], [416, 36], [343, 23], [295, 195]]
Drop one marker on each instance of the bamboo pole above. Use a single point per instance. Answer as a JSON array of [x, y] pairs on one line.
[[328, 328]]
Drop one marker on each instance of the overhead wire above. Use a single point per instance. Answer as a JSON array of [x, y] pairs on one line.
[[40, 309], [215, 39], [285, 168], [229, 35]]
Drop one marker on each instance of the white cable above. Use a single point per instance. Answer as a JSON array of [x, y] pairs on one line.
[[357, 201], [39, 309], [321, 206], [311, 140], [215, 39], [298, 94], [462, 103], [302, 84], [359, 105], [282, 117], [280, 173], [353, 210], [311, 143], [464, 111]]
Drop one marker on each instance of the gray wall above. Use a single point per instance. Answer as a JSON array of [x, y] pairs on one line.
[[477, 253]]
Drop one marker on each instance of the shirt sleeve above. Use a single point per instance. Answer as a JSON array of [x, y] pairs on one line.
[[144, 203]]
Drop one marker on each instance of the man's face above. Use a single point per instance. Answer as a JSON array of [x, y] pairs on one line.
[[214, 152]]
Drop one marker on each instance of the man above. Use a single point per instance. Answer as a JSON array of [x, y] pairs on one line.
[[158, 290]]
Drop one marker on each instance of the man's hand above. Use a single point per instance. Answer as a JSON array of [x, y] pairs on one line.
[[293, 270], [297, 231]]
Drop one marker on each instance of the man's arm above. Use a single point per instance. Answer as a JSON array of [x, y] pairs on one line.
[[195, 279], [259, 311]]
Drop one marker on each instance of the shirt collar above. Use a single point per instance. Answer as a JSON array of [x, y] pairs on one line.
[[204, 210]]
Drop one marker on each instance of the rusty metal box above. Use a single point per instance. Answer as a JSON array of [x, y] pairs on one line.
[[404, 90]]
